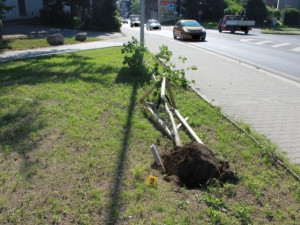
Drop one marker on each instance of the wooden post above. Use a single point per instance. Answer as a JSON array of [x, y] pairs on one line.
[[160, 121], [163, 89], [174, 127], [190, 130], [171, 93], [147, 93], [157, 157], [179, 125]]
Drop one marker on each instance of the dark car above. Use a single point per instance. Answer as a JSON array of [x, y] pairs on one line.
[[189, 29], [135, 22]]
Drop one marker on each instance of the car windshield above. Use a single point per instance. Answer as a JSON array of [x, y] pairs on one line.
[[190, 23], [153, 21]]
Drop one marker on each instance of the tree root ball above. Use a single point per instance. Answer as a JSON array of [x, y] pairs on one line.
[[195, 164]]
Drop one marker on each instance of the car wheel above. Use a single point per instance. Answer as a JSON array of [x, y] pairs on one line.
[[232, 30], [182, 37], [246, 31], [174, 36], [220, 29]]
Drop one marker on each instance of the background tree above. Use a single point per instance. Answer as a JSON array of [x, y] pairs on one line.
[[291, 16], [256, 10], [234, 7], [3, 9], [105, 15], [211, 9], [136, 7]]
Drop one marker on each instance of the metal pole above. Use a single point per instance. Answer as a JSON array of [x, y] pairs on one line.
[[142, 35], [180, 9]]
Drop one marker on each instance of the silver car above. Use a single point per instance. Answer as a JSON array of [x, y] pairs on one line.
[[153, 25]]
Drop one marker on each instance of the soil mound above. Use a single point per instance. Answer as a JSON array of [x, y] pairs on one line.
[[195, 164]]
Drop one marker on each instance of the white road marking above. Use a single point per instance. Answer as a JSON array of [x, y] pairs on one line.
[[280, 45], [247, 40], [263, 42], [296, 49]]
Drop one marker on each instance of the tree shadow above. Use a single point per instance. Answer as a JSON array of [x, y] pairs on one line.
[[4, 45], [42, 70], [20, 125], [18, 129], [136, 80]]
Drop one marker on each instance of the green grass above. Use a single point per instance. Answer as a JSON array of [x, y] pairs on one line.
[[75, 149], [29, 43], [281, 30]]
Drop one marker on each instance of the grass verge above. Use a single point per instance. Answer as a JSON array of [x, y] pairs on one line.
[[75, 149], [281, 30], [29, 43]]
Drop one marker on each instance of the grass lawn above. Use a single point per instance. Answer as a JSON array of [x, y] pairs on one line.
[[29, 43], [281, 30], [75, 149]]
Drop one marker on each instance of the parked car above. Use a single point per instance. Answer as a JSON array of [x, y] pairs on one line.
[[189, 29], [124, 20], [153, 25], [135, 22]]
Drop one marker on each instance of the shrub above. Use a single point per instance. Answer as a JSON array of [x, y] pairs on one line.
[[55, 15], [291, 16]]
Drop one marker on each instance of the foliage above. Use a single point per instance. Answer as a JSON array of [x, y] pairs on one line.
[[4, 8], [273, 13], [162, 67], [291, 16], [53, 14], [256, 10], [211, 9], [136, 7], [233, 8], [175, 76], [134, 55], [105, 16]]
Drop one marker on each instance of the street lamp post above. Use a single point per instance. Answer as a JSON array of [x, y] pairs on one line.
[[142, 35], [200, 10]]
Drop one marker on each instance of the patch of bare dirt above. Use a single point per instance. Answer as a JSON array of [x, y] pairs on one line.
[[195, 164]]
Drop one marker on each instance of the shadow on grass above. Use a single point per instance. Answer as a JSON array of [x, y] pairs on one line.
[[4, 45], [18, 129], [125, 76], [43, 70], [20, 126]]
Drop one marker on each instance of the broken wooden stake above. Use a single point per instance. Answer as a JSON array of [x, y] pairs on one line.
[[157, 157]]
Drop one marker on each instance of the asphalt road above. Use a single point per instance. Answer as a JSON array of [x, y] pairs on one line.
[[279, 54]]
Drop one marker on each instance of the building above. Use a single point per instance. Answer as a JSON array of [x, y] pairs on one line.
[[23, 9], [162, 10]]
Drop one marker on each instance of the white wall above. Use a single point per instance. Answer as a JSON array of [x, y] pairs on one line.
[[33, 8]]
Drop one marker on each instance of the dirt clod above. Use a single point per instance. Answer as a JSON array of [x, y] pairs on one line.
[[195, 164]]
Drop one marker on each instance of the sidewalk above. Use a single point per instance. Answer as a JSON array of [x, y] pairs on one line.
[[269, 103], [14, 55]]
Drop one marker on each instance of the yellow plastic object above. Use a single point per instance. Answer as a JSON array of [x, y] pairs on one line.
[[152, 181]]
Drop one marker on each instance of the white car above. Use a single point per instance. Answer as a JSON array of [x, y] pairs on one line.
[[153, 25]]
